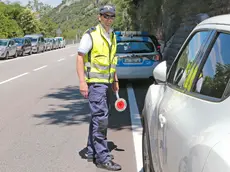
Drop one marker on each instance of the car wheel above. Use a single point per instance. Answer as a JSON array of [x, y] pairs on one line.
[[145, 153]]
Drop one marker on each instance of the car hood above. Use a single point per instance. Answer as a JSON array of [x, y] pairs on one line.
[[2, 48]]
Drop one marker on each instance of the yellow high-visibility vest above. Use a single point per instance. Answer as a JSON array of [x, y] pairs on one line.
[[100, 62]]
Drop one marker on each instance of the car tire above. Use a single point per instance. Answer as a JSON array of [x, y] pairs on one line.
[[147, 167]]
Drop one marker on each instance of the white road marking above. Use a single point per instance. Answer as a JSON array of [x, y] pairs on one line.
[[8, 80], [61, 59], [40, 68], [136, 127]]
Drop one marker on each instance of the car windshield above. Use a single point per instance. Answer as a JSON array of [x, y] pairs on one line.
[[19, 41], [34, 39], [3, 42], [135, 47]]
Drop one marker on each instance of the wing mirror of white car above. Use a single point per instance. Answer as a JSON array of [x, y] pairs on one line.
[[159, 72]]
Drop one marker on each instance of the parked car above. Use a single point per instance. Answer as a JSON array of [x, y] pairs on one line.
[[55, 43], [8, 48], [49, 43], [137, 55], [186, 122], [24, 46], [38, 42], [62, 42]]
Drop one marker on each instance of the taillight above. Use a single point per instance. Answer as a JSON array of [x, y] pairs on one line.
[[157, 57], [158, 47], [154, 57]]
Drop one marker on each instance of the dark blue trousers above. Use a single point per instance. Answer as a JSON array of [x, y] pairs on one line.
[[99, 107]]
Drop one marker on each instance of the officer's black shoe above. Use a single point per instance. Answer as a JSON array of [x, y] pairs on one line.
[[112, 166]]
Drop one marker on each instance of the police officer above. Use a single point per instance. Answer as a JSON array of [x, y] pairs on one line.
[[96, 68]]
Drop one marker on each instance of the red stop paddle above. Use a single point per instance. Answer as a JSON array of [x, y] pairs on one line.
[[120, 103]]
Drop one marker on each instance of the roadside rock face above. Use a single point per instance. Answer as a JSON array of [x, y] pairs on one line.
[[172, 20]]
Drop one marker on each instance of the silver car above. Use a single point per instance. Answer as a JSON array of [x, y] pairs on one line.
[[137, 55], [8, 48], [186, 117], [38, 42], [49, 44]]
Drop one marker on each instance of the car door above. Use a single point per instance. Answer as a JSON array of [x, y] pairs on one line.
[[29, 46], [11, 48], [14, 47], [26, 46], [172, 122]]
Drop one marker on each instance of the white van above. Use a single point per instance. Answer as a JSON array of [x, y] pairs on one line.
[[62, 42]]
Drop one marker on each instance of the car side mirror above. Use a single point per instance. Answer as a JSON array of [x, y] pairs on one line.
[[160, 72]]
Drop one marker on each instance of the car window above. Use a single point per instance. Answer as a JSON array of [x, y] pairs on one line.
[[3, 43], [135, 47], [179, 73], [19, 40], [214, 75], [34, 40]]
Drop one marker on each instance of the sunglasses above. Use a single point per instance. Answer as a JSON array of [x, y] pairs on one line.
[[106, 16]]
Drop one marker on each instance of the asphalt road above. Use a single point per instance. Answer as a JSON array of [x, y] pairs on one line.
[[44, 119]]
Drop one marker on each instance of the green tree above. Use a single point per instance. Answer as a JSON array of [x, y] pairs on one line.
[[48, 26], [28, 22]]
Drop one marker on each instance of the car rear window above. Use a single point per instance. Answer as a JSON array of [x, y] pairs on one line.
[[135, 47]]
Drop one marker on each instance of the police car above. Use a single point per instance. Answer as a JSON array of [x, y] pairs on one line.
[[138, 53]]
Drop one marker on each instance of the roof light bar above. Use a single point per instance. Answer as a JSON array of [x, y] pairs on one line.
[[131, 33]]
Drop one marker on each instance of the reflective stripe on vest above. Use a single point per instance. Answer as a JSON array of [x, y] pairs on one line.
[[99, 75], [97, 66]]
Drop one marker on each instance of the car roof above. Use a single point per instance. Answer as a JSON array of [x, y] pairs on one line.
[[21, 38], [134, 38], [220, 19]]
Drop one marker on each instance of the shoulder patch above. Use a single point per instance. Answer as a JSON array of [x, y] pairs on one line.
[[91, 29]]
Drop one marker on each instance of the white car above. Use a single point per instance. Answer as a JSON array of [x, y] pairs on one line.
[[186, 117]]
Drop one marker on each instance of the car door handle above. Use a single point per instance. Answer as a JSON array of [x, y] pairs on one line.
[[162, 120]]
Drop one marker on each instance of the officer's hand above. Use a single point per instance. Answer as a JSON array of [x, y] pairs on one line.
[[84, 89], [115, 86]]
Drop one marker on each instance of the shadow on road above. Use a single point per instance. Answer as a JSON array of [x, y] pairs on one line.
[[112, 147], [68, 107]]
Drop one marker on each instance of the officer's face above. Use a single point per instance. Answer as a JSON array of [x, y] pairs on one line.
[[107, 19]]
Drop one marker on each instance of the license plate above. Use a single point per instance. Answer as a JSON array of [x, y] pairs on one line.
[[132, 60]]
